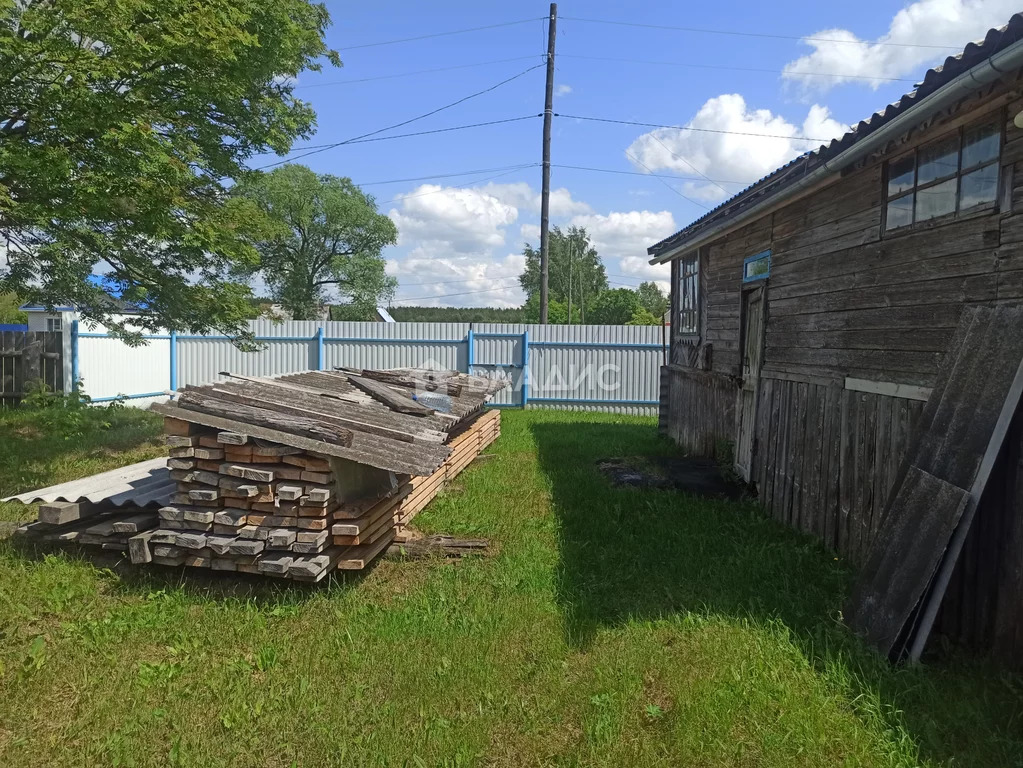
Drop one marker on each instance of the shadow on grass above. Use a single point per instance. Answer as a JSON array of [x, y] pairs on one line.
[[645, 554]]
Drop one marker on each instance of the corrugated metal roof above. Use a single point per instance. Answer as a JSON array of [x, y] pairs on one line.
[[144, 484], [975, 52]]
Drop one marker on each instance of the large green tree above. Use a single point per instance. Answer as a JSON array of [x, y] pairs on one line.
[[122, 125], [321, 241], [615, 307], [652, 299], [575, 272]]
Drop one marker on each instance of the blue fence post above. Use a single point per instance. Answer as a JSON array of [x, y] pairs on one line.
[[74, 356], [320, 360], [173, 360], [525, 368], [470, 353]]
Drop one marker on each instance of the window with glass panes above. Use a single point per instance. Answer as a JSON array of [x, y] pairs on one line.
[[955, 174], [689, 295]]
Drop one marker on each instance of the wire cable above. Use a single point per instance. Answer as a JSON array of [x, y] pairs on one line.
[[441, 34], [705, 31], [448, 295], [517, 167], [640, 173], [417, 72], [691, 128], [637, 161], [679, 157], [732, 69], [354, 139]]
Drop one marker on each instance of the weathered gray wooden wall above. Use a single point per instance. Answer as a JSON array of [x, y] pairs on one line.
[[697, 409], [29, 357], [845, 301]]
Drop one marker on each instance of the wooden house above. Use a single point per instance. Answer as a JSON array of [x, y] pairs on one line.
[[812, 311]]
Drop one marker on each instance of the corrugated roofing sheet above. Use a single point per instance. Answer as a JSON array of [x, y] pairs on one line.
[[975, 52], [144, 484]]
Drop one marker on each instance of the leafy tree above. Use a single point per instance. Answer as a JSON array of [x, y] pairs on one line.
[[457, 314], [122, 125], [652, 299], [557, 311], [572, 262], [323, 237], [615, 307], [9, 309], [643, 316]]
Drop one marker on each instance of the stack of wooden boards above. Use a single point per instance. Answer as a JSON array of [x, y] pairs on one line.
[[88, 524], [297, 476]]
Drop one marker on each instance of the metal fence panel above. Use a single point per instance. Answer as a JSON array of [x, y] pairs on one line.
[[607, 368]]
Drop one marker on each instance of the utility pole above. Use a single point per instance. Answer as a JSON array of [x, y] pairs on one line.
[[545, 191], [571, 246]]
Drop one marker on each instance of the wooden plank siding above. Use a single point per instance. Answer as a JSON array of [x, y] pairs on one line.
[[29, 357], [845, 300]]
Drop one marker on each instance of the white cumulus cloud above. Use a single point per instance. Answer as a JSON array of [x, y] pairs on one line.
[[429, 278], [562, 90], [952, 23], [738, 146], [523, 196], [465, 220]]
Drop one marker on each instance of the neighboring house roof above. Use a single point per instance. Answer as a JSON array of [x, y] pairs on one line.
[[384, 315], [776, 183]]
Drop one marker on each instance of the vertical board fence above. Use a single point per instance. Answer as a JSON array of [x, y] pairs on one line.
[[590, 367], [27, 358]]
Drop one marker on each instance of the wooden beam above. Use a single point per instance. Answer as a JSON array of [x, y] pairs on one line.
[[889, 388]]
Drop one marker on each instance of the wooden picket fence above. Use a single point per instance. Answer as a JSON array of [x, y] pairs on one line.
[[27, 357]]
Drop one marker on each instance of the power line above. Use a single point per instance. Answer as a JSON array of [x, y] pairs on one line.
[[679, 157], [644, 175], [705, 31], [520, 166], [457, 186], [448, 295], [417, 133], [417, 72], [469, 280], [440, 34], [404, 122], [691, 128], [733, 69], [636, 160]]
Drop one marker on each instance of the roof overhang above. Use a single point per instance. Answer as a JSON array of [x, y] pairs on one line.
[[797, 179]]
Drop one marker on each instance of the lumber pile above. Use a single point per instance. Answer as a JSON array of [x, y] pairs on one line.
[[87, 524], [465, 447], [290, 477]]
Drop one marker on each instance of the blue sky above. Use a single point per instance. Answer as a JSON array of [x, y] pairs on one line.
[[461, 236]]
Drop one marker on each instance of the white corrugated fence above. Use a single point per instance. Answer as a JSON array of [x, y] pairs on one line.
[[595, 367]]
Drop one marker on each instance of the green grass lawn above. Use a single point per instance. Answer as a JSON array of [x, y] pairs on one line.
[[608, 627]]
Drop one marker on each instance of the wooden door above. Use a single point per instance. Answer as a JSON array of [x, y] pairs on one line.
[[752, 358]]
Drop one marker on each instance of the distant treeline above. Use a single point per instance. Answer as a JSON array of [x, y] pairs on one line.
[[457, 315]]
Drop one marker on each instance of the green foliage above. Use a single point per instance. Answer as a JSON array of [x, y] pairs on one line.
[[614, 307], [652, 299], [457, 315], [122, 125], [572, 261], [557, 311], [322, 239], [642, 316], [599, 607], [9, 312]]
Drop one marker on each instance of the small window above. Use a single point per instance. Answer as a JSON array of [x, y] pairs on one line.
[[54, 324], [955, 174], [756, 267], [689, 295]]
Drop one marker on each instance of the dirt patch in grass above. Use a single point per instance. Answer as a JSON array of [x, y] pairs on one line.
[[679, 473]]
